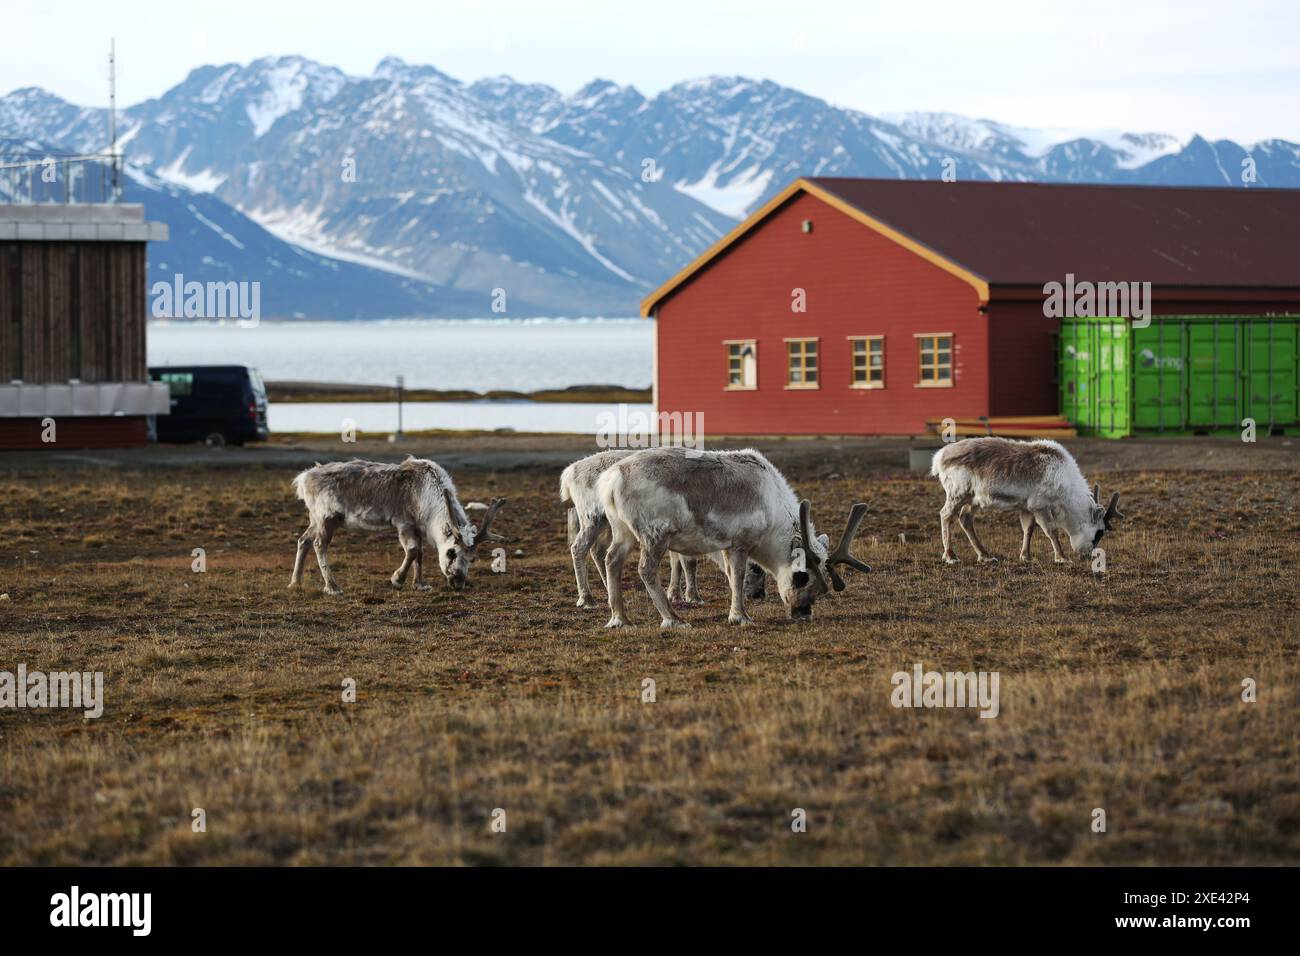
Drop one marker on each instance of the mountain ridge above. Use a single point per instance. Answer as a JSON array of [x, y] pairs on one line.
[[499, 192]]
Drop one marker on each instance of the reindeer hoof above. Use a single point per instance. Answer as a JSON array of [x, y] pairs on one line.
[[424, 587], [948, 559], [396, 583], [1061, 560], [333, 591], [668, 623], [615, 621], [741, 619], [587, 602], [988, 559]]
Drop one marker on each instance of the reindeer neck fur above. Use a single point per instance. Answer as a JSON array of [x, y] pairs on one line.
[[432, 494]]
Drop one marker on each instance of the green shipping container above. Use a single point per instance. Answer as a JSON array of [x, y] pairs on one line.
[[1182, 374]]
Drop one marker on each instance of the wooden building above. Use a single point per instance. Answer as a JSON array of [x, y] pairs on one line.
[[72, 326], [859, 306]]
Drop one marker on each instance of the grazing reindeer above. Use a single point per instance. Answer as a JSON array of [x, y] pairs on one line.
[[702, 502], [1038, 479], [416, 497], [589, 535]]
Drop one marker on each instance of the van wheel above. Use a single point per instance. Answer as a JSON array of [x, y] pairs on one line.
[[215, 440]]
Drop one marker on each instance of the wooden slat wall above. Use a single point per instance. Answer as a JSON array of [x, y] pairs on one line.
[[72, 310]]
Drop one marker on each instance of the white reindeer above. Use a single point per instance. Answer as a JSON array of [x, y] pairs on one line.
[[700, 502], [589, 536], [416, 497], [1038, 479]]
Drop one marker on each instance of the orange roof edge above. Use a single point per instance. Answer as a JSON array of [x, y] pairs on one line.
[[979, 283]]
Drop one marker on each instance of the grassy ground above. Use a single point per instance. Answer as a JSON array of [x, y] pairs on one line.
[[224, 690]]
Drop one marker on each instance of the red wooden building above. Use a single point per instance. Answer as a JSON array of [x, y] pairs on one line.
[[859, 306]]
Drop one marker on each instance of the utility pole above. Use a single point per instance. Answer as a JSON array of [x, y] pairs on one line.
[[397, 435], [112, 119]]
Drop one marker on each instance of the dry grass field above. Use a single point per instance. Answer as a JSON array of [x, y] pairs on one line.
[[224, 690]]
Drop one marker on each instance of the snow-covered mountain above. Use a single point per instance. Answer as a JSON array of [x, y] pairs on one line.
[[572, 204]]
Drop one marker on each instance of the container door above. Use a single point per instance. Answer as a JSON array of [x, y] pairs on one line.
[[1112, 384], [1215, 360], [1073, 343], [1160, 375], [1271, 383]]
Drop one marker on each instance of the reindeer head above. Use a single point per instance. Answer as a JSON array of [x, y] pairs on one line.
[[458, 545], [1098, 521], [811, 573]]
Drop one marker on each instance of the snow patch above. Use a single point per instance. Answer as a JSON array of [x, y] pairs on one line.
[[733, 199]]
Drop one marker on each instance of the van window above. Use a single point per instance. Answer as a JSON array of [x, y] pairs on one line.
[[178, 383]]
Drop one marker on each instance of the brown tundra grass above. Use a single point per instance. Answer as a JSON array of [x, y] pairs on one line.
[[223, 689]]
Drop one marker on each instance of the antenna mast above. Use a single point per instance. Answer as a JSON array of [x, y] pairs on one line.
[[112, 118]]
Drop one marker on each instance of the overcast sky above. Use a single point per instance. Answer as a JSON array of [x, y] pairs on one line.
[[1218, 68]]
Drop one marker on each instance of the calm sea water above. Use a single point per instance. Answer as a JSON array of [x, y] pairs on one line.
[[522, 355], [371, 418]]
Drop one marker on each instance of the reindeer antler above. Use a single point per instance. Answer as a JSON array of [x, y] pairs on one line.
[[841, 553], [1112, 511], [484, 529], [811, 561]]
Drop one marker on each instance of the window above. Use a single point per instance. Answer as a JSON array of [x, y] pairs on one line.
[[742, 364], [802, 363], [868, 361], [934, 360], [178, 383]]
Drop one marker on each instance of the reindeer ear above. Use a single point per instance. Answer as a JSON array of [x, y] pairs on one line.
[[450, 502]]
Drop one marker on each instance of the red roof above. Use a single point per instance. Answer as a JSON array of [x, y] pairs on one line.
[[1031, 233]]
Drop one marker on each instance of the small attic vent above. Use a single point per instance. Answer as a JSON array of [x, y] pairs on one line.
[[807, 225]]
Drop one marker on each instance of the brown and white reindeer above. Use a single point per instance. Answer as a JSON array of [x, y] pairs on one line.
[[696, 503], [1038, 479], [589, 536], [416, 497]]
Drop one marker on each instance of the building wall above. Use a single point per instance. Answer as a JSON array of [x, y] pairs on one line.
[[72, 310], [117, 431], [857, 283]]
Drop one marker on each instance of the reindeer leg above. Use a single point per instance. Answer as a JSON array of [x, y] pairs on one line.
[[304, 542], [966, 518], [737, 563], [652, 553], [420, 583], [945, 528], [1027, 529], [615, 557], [583, 542], [599, 550], [1057, 554], [322, 544], [691, 582], [410, 541], [676, 589]]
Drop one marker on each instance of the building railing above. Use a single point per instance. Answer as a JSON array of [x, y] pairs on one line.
[[61, 178]]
